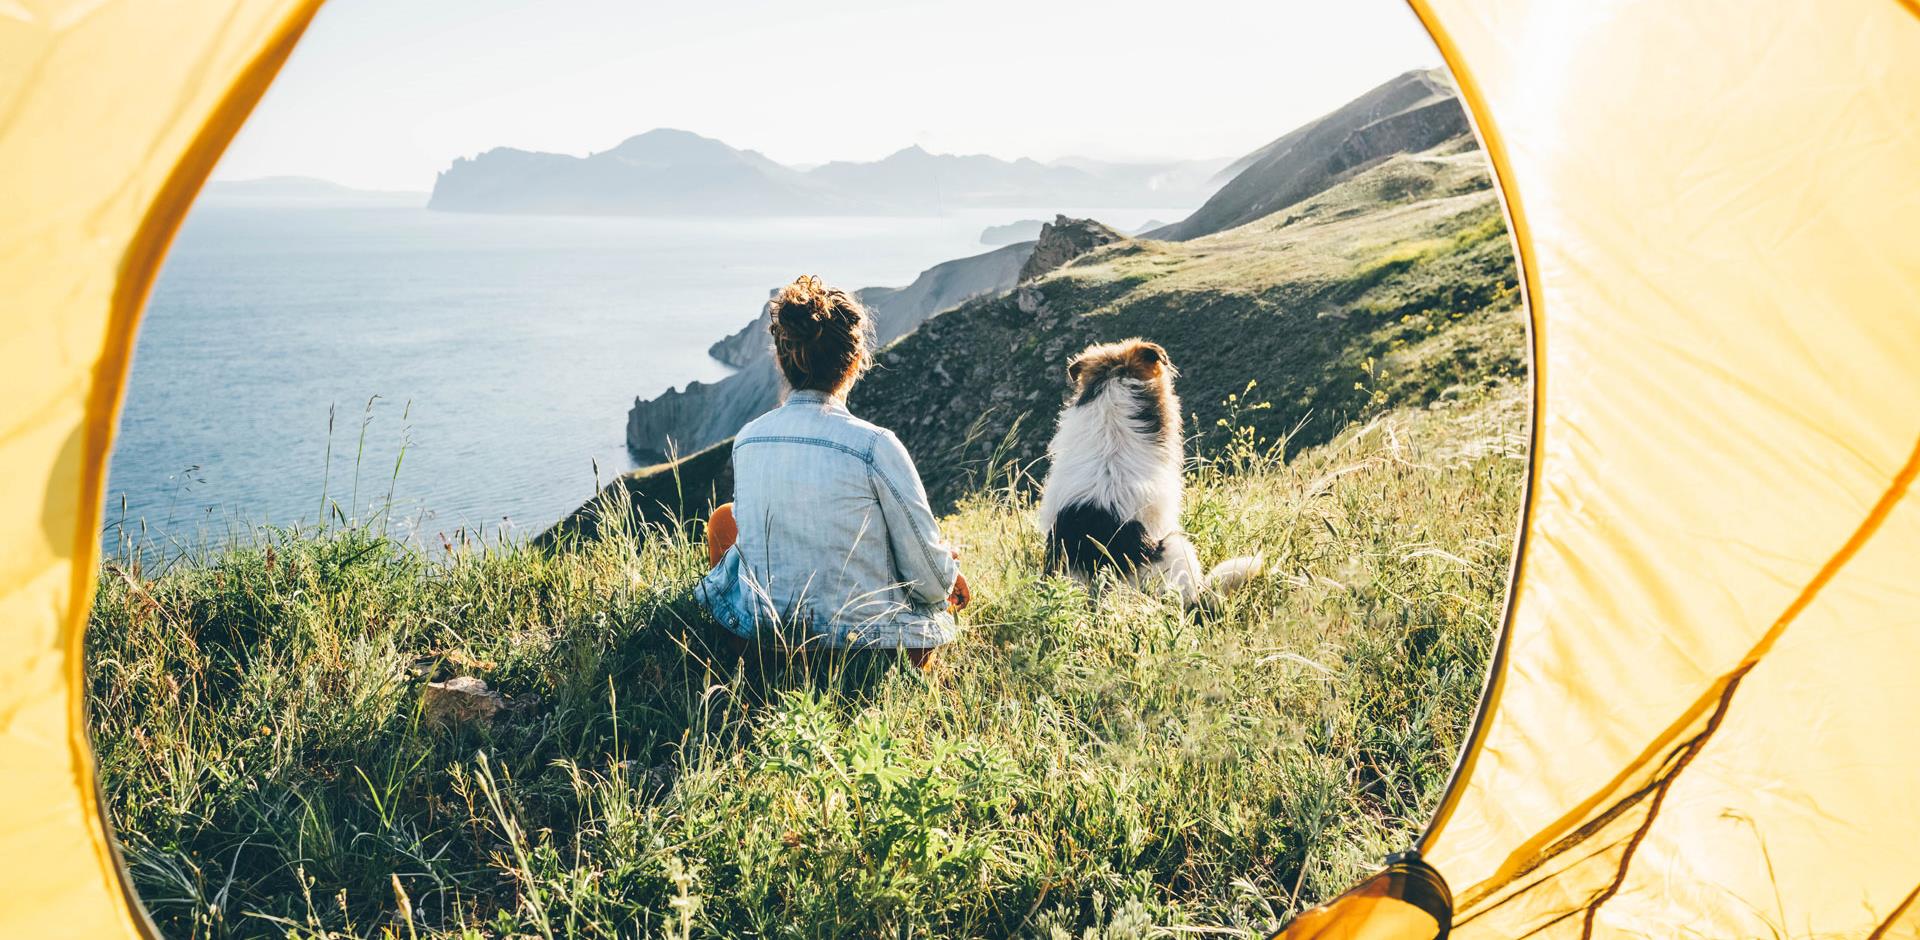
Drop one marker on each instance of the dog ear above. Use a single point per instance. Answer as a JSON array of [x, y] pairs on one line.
[[1152, 358], [1075, 366]]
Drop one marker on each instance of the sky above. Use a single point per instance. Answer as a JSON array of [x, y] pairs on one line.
[[383, 94]]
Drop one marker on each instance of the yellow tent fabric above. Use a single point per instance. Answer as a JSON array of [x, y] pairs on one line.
[[1701, 722], [111, 114]]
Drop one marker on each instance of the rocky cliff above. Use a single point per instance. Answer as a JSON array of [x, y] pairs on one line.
[[681, 421], [750, 343]]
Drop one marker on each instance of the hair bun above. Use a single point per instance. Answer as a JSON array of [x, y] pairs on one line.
[[800, 307], [819, 333]]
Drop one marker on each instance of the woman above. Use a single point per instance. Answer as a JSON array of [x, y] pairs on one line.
[[829, 539]]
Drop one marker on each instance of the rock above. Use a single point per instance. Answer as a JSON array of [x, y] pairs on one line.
[[1063, 240], [461, 700], [1028, 299]]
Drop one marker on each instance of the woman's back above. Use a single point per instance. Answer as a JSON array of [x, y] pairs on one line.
[[836, 544]]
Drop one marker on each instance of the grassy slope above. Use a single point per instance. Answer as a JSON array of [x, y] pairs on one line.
[[1388, 288], [256, 716]]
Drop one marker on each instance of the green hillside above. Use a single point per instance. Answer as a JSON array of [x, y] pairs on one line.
[[1118, 770], [1389, 288]]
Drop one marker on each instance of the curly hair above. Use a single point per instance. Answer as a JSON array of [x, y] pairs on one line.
[[822, 337]]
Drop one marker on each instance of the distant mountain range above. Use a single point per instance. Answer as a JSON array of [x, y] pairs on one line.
[[302, 191], [673, 172]]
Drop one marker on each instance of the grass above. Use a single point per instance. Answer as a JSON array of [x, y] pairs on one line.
[[1075, 767]]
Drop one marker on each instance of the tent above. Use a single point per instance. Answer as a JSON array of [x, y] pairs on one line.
[[1700, 719]]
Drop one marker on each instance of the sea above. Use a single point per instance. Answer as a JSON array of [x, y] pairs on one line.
[[443, 374]]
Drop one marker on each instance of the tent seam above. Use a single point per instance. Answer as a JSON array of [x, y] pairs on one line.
[[1532, 853], [1521, 891], [1550, 924], [1694, 747], [1882, 508], [1886, 925], [1896, 490]]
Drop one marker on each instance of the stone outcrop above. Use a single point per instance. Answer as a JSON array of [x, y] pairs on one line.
[[458, 701], [1063, 240]]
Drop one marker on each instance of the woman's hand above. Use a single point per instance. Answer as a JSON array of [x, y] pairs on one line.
[[961, 596]]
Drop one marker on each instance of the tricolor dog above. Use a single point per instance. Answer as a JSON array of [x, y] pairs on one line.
[[1113, 491]]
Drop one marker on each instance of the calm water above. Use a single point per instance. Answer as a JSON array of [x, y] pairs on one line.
[[503, 352]]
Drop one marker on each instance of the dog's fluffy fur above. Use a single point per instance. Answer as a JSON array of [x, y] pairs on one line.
[[1113, 491]]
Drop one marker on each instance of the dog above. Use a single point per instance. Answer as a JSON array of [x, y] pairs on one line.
[[1113, 489]]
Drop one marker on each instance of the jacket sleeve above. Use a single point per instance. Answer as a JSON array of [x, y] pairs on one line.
[[922, 560]]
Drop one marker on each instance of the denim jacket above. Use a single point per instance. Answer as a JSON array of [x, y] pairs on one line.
[[837, 542]]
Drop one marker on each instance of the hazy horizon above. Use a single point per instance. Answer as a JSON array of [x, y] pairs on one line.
[[383, 97], [803, 167]]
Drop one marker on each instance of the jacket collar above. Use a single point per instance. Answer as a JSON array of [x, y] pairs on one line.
[[814, 397]]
